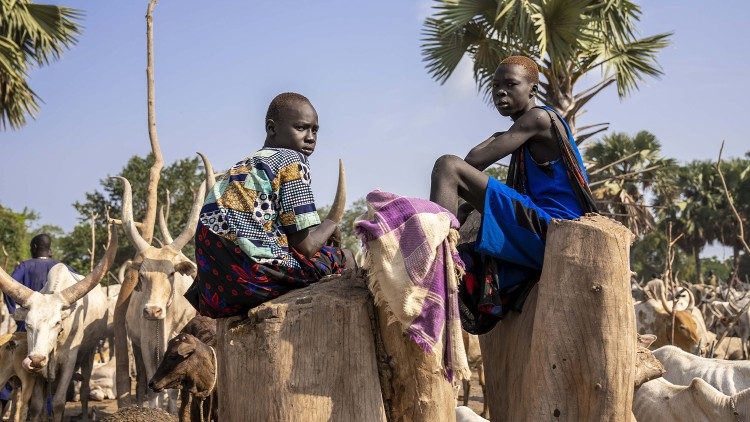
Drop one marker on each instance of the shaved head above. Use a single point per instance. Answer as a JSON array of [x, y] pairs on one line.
[[40, 245], [282, 103]]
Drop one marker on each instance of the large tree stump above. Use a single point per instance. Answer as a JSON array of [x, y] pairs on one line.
[[570, 354], [309, 355], [414, 384]]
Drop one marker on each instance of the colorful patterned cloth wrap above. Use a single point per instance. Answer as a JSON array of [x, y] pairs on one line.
[[242, 251], [506, 260], [410, 255]]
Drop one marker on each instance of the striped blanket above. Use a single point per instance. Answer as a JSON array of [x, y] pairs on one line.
[[410, 255]]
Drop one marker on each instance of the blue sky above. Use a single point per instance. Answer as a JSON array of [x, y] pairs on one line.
[[219, 63]]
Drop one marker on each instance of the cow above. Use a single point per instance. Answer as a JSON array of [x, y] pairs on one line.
[[661, 400], [655, 315], [728, 376], [13, 351], [7, 325], [64, 322], [465, 414], [722, 313], [102, 382], [190, 365], [157, 309]]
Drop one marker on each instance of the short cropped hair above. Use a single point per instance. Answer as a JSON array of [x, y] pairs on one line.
[[529, 65], [40, 243], [282, 103]]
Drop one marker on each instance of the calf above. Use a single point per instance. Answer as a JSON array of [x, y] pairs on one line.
[[728, 376], [190, 365], [13, 351]]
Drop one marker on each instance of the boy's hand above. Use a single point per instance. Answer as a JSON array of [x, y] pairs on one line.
[[335, 238], [463, 212]]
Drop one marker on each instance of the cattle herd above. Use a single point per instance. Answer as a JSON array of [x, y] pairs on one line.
[[698, 335]]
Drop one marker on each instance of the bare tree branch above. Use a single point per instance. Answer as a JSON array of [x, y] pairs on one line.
[[741, 234]]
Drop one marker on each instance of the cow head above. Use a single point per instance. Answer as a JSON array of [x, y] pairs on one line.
[[187, 361], [44, 313], [688, 331], [158, 268]]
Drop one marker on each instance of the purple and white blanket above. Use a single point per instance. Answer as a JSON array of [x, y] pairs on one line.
[[410, 255]]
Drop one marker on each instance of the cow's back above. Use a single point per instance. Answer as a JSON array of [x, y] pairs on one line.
[[728, 376]]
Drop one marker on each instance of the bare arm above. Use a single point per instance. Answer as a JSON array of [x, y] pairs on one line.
[[496, 147], [309, 241]]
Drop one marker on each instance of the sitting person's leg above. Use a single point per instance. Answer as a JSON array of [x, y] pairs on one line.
[[452, 178]]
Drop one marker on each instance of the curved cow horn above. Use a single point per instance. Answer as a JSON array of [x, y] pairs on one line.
[[210, 177], [163, 229], [79, 290], [127, 217], [339, 201], [17, 291], [121, 271], [192, 222]]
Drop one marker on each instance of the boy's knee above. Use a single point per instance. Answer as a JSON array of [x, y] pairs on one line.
[[445, 166]]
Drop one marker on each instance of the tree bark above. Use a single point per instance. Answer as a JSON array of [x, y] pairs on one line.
[[415, 389], [308, 355], [570, 355]]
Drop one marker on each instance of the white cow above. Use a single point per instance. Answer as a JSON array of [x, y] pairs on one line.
[[660, 400], [465, 414], [64, 322], [728, 376], [157, 309]]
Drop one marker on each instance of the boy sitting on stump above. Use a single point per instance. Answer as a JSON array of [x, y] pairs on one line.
[[259, 234], [546, 180]]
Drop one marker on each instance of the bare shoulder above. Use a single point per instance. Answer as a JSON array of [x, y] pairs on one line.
[[536, 118]]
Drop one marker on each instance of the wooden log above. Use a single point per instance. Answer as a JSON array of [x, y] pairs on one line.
[[308, 355], [570, 354], [414, 385]]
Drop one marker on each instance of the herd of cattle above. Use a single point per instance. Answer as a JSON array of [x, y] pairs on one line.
[[702, 337]]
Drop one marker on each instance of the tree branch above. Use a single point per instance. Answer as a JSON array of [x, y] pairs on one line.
[[741, 234]]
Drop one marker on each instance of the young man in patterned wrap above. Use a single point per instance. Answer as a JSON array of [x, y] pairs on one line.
[[259, 234]]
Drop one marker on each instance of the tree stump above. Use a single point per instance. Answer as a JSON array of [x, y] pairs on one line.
[[570, 354], [308, 355], [414, 384]]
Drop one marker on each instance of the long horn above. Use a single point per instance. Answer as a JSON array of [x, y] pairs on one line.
[[127, 217], [662, 295], [79, 290], [17, 291], [210, 177], [691, 303], [192, 222], [339, 201], [121, 271], [163, 229]]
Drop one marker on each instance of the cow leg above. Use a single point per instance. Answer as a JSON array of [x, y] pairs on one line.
[[87, 365], [38, 398], [467, 390], [485, 405], [63, 380], [140, 373], [27, 387]]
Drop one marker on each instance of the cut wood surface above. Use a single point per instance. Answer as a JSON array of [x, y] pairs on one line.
[[570, 354], [306, 356]]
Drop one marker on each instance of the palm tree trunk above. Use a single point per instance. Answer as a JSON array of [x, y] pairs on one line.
[[697, 257]]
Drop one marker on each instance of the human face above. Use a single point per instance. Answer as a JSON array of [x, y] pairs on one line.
[[297, 129], [512, 91]]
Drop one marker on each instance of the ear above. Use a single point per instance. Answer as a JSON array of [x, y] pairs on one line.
[[270, 127], [534, 89], [20, 314], [645, 340], [185, 349], [186, 268]]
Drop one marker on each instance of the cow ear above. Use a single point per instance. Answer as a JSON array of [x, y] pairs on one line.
[[645, 340], [20, 314], [186, 268], [184, 349]]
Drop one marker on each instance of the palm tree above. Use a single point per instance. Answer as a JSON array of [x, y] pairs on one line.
[[692, 204], [623, 170], [30, 35], [568, 39]]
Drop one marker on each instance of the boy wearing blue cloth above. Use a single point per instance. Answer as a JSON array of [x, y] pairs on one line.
[[546, 180]]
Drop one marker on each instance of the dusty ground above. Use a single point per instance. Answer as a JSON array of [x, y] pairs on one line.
[[108, 407]]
